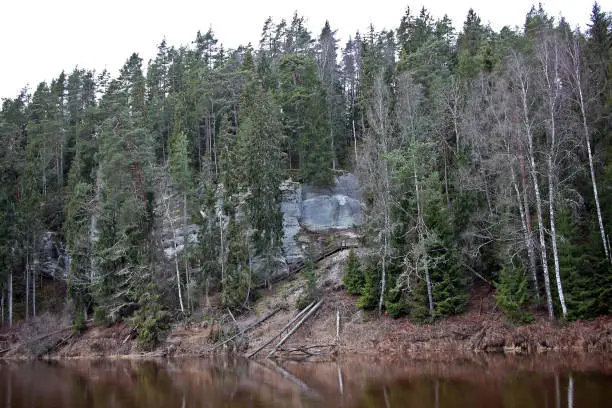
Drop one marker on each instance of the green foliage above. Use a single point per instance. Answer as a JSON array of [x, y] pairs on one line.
[[306, 119], [587, 277], [151, 320], [371, 289], [513, 295], [79, 325], [353, 278], [312, 291], [431, 119], [449, 291], [101, 318], [396, 302], [236, 287], [419, 304]]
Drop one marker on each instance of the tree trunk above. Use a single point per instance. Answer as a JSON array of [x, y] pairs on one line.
[[386, 232], [531, 248], [550, 80], [536, 189], [34, 292], [355, 142], [27, 286], [553, 236], [526, 236], [2, 307], [429, 289], [574, 52], [176, 264], [185, 241], [10, 299], [221, 250], [420, 225]]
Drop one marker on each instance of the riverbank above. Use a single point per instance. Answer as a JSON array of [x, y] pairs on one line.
[[337, 327]]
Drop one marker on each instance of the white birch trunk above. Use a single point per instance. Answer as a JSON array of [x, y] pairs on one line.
[[531, 247], [575, 56], [526, 236], [27, 285], [34, 292], [386, 232], [429, 290], [355, 142], [551, 83], [185, 242], [221, 250], [536, 189], [176, 264], [553, 237], [10, 299]]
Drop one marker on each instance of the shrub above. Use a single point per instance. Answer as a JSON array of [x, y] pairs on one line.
[[371, 289], [513, 294], [353, 278], [313, 291], [78, 325]]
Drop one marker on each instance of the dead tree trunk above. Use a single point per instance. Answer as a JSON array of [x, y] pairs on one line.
[[296, 327]]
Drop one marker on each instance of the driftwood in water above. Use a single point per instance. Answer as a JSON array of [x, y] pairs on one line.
[[306, 309], [263, 319], [297, 326]]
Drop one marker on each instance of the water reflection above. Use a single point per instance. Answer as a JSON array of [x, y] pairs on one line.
[[480, 382]]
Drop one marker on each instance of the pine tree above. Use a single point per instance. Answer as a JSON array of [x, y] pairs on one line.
[[353, 278]]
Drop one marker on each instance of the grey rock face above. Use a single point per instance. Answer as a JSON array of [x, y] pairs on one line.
[[304, 208], [336, 208], [292, 211], [318, 210]]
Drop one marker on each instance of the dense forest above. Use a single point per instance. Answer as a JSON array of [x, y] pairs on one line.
[[482, 155]]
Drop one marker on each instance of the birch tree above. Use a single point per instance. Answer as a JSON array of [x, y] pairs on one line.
[[522, 77], [575, 70], [378, 173], [547, 54]]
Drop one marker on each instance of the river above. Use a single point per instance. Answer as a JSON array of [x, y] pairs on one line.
[[477, 381]]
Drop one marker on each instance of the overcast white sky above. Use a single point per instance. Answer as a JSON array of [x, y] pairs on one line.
[[40, 38]]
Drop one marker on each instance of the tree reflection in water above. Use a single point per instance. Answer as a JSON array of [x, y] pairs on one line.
[[486, 381]]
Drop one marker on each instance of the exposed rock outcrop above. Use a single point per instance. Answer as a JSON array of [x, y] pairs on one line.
[[305, 209]]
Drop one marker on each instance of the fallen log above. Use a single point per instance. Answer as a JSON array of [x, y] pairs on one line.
[[282, 330], [44, 336], [306, 349], [297, 326], [263, 319]]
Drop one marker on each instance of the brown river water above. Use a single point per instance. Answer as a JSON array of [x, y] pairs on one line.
[[474, 381]]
